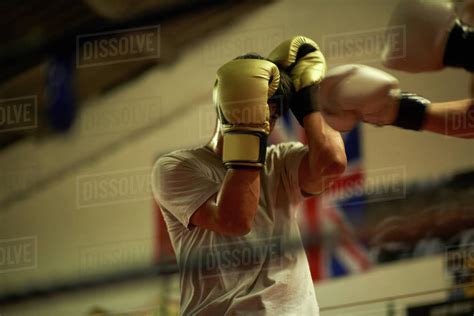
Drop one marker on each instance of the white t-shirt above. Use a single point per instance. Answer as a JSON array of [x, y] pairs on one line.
[[262, 273]]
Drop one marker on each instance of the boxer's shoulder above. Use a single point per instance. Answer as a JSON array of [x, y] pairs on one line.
[[280, 150], [284, 146], [196, 157], [186, 153]]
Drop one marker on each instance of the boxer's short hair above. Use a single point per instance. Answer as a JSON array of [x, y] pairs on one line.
[[286, 89]]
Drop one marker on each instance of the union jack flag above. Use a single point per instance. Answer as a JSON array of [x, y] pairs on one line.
[[327, 221]]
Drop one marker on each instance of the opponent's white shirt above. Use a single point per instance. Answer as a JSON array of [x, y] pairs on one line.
[[262, 273]]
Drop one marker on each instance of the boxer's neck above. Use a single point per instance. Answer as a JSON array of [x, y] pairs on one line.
[[215, 144]]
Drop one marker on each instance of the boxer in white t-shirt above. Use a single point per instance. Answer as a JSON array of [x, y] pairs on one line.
[[230, 205]]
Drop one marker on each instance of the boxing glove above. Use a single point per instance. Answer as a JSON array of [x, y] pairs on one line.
[[435, 38], [302, 59], [240, 93], [352, 93]]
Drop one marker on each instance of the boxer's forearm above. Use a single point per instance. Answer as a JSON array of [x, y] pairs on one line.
[[237, 200], [231, 211], [326, 158], [455, 118]]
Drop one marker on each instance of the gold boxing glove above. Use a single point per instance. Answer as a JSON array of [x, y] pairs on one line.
[[241, 93], [303, 61]]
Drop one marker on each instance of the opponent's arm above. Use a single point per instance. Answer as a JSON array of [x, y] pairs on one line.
[[454, 118], [434, 38], [354, 93]]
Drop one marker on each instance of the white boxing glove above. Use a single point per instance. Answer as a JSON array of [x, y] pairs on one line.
[[352, 93], [435, 38]]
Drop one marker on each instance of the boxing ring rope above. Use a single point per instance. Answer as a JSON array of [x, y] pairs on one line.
[[92, 283], [167, 269], [397, 297]]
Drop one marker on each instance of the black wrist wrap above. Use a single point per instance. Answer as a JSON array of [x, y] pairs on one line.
[[303, 103], [460, 47], [411, 113]]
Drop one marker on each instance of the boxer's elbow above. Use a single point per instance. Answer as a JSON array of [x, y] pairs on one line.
[[239, 230], [336, 165], [236, 226], [236, 222], [331, 161], [316, 175]]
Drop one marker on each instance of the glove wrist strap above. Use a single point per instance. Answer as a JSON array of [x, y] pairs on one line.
[[244, 149], [411, 113], [460, 47]]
